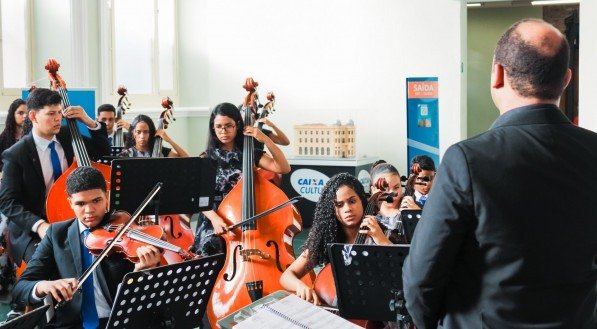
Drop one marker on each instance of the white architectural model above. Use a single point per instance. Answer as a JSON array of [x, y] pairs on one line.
[[325, 141]]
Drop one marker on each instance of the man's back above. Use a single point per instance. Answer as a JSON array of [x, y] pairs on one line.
[[524, 231]]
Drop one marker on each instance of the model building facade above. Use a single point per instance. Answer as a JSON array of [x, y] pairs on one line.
[[320, 140]]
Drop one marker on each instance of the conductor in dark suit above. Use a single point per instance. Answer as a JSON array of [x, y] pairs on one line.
[[29, 171], [61, 258], [508, 236]]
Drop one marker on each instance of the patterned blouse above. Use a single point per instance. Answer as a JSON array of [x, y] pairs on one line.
[[132, 152], [229, 166]]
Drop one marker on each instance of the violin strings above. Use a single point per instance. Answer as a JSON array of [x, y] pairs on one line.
[[149, 238]]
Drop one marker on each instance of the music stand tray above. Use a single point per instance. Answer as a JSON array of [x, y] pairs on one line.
[[367, 278], [189, 184], [409, 219], [173, 296], [28, 320]]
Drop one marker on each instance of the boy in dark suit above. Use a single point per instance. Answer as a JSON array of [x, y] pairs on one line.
[[61, 258], [33, 164]]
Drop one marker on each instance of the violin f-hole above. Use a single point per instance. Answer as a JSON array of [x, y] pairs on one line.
[[172, 233], [278, 265]]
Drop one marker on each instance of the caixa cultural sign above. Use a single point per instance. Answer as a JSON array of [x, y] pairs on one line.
[[308, 183]]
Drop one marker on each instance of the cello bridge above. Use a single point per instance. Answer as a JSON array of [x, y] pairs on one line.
[[247, 253]]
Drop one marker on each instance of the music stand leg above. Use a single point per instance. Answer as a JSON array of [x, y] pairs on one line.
[[403, 319]]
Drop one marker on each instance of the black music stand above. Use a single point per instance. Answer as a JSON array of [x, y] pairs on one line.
[[409, 219], [189, 184], [173, 296], [114, 154], [369, 281], [28, 320]]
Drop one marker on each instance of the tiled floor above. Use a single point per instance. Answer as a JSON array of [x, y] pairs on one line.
[[4, 306]]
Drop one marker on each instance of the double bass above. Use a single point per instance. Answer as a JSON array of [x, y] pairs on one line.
[[268, 109], [57, 205], [123, 105], [258, 252], [177, 228]]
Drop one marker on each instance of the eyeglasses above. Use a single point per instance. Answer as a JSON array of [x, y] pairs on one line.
[[227, 127]]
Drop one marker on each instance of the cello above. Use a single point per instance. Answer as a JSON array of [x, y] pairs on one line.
[[258, 252], [57, 205]]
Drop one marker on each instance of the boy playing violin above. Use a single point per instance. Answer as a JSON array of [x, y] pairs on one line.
[[62, 257]]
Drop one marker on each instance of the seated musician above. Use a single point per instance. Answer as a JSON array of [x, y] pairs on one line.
[[420, 181], [106, 113], [389, 212], [338, 217], [141, 139], [61, 258], [33, 164], [225, 144]]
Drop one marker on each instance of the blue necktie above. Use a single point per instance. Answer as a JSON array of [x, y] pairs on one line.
[[422, 200], [110, 140], [56, 167], [88, 310]]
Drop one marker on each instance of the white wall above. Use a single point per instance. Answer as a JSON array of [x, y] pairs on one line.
[[587, 103], [328, 60]]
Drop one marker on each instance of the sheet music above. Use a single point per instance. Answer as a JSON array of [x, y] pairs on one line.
[[292, 312]]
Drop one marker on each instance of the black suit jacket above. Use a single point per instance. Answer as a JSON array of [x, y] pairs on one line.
[[58, 256], [508, 236], [23, 192]]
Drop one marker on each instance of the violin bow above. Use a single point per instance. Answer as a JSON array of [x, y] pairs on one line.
[[265, 213]]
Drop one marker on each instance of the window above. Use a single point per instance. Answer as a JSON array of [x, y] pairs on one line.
[[15, 53], [144, 45]]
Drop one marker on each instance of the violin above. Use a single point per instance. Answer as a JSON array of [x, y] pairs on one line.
[[135, 236], [123, 105], [57, 205]]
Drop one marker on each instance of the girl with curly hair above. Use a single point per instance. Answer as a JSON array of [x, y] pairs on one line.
[[338, 218], [225, 148], [13, 128]]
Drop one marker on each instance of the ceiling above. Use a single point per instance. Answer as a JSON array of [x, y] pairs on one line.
[[502, 3]]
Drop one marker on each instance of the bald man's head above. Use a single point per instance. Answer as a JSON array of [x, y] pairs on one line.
[[535, 57]]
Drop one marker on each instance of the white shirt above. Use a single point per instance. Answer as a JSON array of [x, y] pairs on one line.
[[43, 150], [418, 196]]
